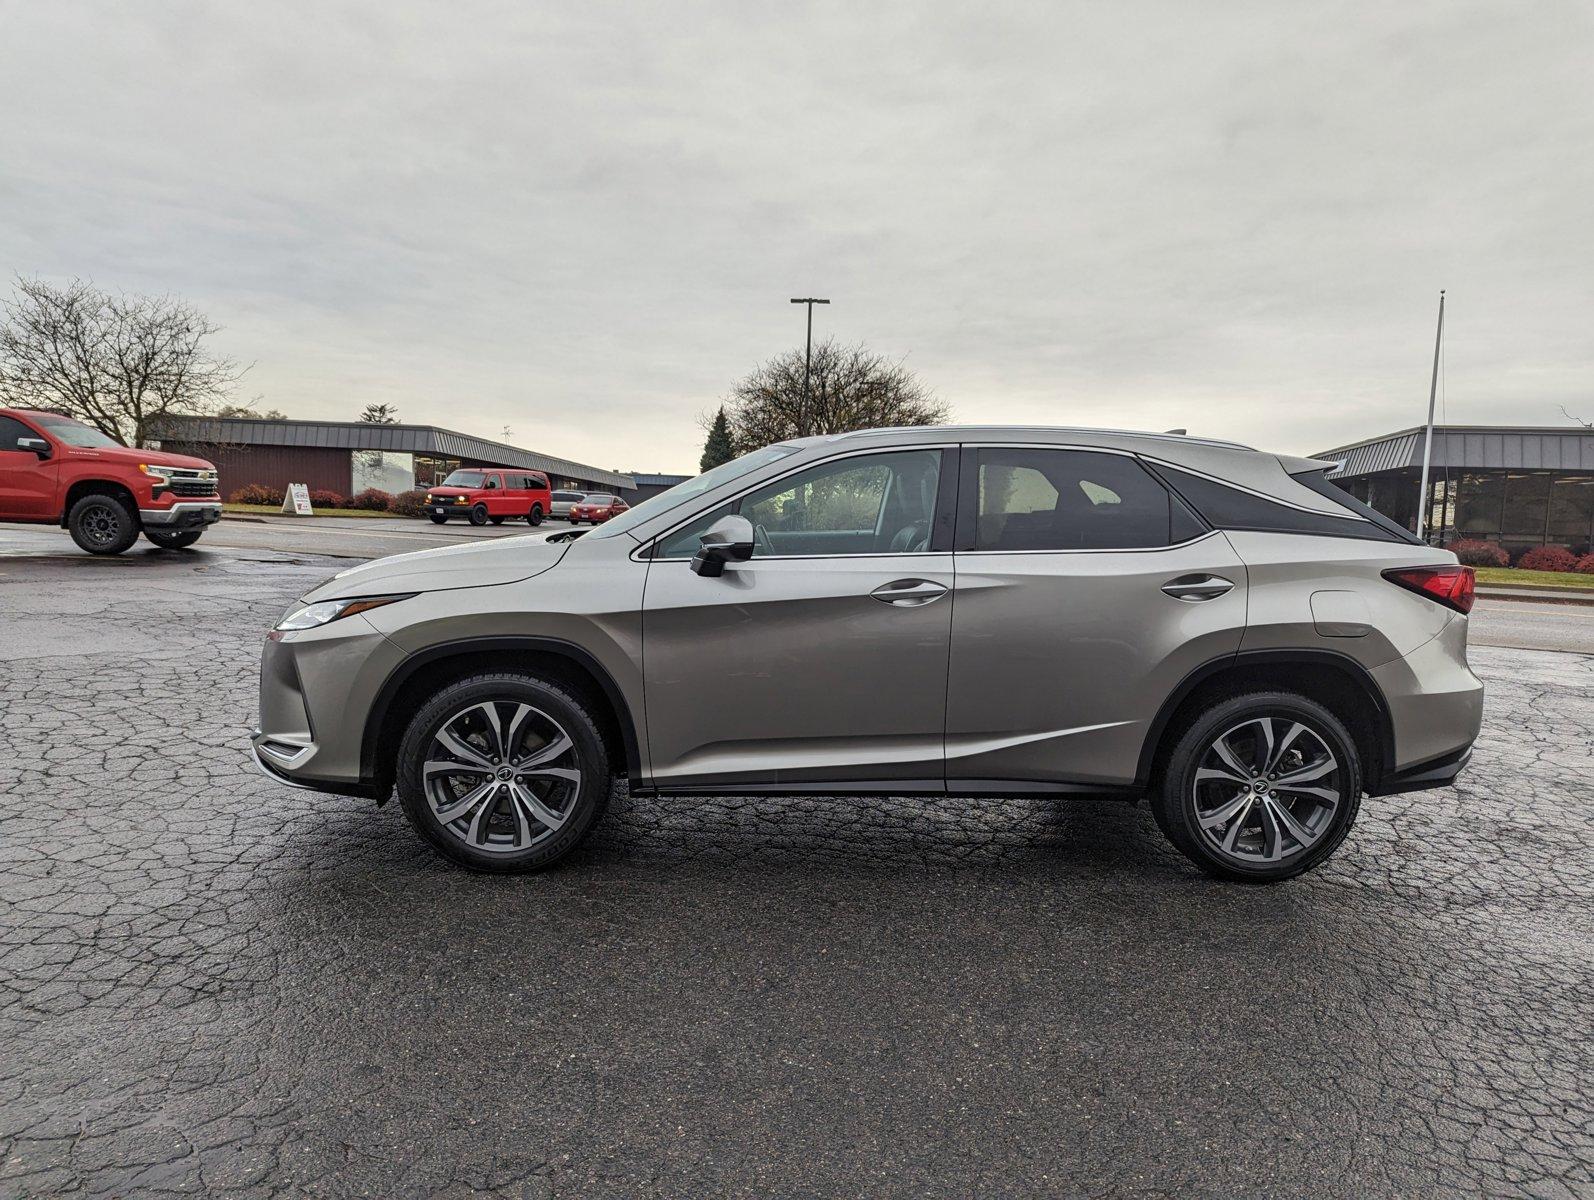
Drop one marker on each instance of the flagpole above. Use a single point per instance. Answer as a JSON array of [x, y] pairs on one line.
[[1427, 446]]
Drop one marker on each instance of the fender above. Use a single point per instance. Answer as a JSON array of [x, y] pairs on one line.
[[577, 654], [1383, 725]]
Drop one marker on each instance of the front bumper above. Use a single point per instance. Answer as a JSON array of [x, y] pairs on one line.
[[185, 514]]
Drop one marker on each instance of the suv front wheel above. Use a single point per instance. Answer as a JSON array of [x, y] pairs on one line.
[[503, 773], [1260, 788]]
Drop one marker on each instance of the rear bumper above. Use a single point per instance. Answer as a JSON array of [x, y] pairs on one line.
[[185, 514], [1441, 772]]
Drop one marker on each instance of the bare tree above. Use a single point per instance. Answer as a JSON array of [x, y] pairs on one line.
[[849, 387], [119, 362], [380, 414], [1578, 420], [248, 412]]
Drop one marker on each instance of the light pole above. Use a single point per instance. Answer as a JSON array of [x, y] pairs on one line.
[[808, 358]]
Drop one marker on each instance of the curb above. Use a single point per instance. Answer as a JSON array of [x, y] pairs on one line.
[[1525, 597]]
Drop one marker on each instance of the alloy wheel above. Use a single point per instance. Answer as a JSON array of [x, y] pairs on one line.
[[100, 524], [1266, 790], [501, 776]]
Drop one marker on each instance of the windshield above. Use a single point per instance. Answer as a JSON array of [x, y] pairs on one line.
[[706, 482], [599, 499], [75, 433], [470, 479]]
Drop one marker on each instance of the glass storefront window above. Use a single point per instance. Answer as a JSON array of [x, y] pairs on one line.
[[385, 470], [1478, 502], [1571, 511], [1527, 499]]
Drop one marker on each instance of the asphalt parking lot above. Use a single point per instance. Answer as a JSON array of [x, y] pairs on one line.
[[210, 984]]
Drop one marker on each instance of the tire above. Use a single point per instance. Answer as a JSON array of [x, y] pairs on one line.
[[534, 517], [102, 524], [500, 833], [1257, 842], [478, 515], [497, 520], [437, 520], [173, 539]]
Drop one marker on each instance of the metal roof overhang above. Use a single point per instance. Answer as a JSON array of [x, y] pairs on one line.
[[1470, 447], [399, 439]]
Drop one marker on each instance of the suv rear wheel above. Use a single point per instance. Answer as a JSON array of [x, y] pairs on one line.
[[503, 773], [102, 524], [534, 517], [1260, 788]]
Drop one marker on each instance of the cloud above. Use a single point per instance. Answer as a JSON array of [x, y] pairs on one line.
[[584, 221]]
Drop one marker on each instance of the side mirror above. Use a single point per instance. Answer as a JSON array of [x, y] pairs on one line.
[[38, 445], [730, 539]]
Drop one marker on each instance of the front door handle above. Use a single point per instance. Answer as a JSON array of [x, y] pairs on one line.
[[1197, 587], [909, 593]]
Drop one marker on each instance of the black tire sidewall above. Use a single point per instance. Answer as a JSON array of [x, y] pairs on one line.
[[534, 517], [478, 515], [596, 770], [439, 520], [128, 527], [1173, 804]]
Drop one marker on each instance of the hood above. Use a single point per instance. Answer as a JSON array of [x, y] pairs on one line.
[[132, 457], [483, 563]]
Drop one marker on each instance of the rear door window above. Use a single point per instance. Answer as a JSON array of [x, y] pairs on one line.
[[1033, 498]]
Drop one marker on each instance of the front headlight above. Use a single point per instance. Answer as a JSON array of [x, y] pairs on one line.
[[157, 472], [325, 611]]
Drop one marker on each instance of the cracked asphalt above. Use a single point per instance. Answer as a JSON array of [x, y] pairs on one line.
[[213, 985]]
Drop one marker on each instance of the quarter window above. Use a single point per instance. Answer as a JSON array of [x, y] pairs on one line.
[[1039, 499]]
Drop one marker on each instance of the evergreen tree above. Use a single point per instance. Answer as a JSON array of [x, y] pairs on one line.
[[719, 448]]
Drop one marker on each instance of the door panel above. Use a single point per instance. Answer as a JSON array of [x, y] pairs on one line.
[[789, 670], [1060, 660]]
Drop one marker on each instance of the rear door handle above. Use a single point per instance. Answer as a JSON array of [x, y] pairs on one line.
[[909, 593], [1197, 587]]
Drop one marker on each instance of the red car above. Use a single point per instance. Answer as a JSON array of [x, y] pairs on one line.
[[495, 496], [597, 508], [57, 471]]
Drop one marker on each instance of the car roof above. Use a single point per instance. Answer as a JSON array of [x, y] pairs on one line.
[[1069, 432]]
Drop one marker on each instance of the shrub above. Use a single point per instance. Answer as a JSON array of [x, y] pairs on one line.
[[257, 493], [1547, 558], [374, 499], [1475, 552], [1585, 565], [409, 504], [323, 498]]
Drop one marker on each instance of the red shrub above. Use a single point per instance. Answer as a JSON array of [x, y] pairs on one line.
[[257, 493], [1475, 552], [322, 498], [1585, 565], [374, 499], [1547, 558], [409, 504]]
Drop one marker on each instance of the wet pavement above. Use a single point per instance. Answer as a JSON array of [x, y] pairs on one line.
[[210, 984]]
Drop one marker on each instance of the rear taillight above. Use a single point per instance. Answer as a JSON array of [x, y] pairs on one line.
[[1451, 586]]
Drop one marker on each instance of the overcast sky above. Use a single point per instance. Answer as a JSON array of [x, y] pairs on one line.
[[583, 220]]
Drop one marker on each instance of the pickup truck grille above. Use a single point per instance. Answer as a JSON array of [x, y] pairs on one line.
[[192, 487]]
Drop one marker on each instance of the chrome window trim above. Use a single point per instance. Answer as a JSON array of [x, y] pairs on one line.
[[640, 554], [1102, 550]]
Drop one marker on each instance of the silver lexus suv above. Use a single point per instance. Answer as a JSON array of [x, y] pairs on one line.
[[1011, 612]]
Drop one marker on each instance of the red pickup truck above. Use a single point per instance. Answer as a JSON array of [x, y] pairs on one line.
[[57, 471]]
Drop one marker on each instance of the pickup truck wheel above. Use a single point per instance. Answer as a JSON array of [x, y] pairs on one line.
[[102, 524], [173, 539], [439, 520], [503, 772], [478, 515], [534, 517]]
